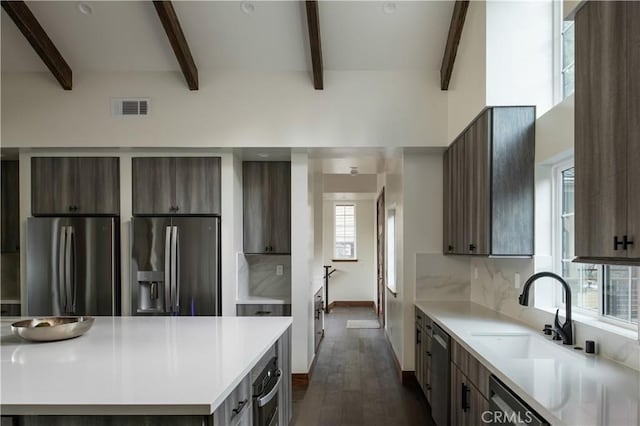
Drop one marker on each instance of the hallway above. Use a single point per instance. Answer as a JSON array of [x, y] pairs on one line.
[[355, 381]]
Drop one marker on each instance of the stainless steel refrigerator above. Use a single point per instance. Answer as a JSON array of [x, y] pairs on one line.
[[72, 266], [175, 265]]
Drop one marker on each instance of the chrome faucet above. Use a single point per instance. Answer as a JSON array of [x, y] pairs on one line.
[[564, 331]]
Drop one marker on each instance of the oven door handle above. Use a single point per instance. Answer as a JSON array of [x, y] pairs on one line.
[[264, 400]]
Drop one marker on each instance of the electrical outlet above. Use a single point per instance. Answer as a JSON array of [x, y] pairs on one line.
[[516, 280], [279, 270]]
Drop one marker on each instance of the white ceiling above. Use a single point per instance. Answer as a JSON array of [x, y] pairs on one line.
[[128, 36]]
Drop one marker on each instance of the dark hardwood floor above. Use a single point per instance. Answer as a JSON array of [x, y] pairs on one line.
[[355, 381]]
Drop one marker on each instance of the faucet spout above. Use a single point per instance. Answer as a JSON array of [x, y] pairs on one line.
[[565, 331]]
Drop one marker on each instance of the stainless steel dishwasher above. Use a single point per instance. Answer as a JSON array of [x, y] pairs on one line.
[[507, 409], [440, 375]]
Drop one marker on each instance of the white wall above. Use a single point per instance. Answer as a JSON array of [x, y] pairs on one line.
[[391, 181], [467, 89], [555, 131], [352, 280], [502, 59], [301, 257], [357, 108], [519, 46], [422, 216]]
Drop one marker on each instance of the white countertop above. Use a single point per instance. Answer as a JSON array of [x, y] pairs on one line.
[[566, 387], [135, 365]]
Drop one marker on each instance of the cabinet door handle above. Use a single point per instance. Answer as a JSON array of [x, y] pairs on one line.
[[617, 243], [626, 242], [239, 408], [428, 354], [450, 248], [465, 397], [418, 340], [472, 247]]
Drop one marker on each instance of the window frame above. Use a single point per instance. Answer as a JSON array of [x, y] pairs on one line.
[[353, 258], [564, 68], [391, 258], [558, 299], [556, 240]]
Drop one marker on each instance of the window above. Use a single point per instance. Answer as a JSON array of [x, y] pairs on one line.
[[608, 292], [391, 250], [345, 236], [568, 70], [582, 278]]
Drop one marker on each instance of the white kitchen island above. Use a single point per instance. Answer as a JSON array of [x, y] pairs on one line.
[[142, 366]]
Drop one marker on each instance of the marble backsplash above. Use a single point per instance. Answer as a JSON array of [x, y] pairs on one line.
[[257, 276], [440, 277], [494, 288]]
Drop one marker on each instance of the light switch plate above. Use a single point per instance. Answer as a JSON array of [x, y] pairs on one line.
[[279, 270]]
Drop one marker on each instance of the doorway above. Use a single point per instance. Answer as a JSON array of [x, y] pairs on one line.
[[380, 245]]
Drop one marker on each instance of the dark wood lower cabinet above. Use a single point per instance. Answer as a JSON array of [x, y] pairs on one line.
[[467, 402], [469, 389]]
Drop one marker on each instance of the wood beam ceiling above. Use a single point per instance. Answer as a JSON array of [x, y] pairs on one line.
[[21, 15], [313, 23], [172, 27], [455, 32]]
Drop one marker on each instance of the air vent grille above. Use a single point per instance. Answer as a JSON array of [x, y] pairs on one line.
[[130, 107]]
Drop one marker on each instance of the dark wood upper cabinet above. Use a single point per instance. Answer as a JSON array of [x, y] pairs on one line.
[[10, 208], [476, 167], [153, 185], [198, 185], [75, 186], [267, 207], [489, 185], [607, 134], [176, 186]]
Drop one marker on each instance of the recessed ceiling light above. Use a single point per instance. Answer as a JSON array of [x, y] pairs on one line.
[[85, 9], [389, 7], [263, 155], [247, 7], [353, 171]]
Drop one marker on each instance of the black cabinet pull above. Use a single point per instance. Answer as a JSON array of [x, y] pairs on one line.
[[472, 247], [428, 353], [418, 340], [465, 397], [450, 248], [626, 242], [617, 243]]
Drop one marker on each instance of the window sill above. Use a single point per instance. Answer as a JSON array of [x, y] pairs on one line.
[[595, 322], [344, 260]]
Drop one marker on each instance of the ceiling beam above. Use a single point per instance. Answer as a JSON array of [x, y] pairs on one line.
[[178, 42], [40, 41], [313, 22], [455, 32]]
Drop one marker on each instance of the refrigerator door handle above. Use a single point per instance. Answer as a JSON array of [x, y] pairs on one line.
[[67, 260], [167, 269], [62, 276], [71, 246], [174, 270]]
